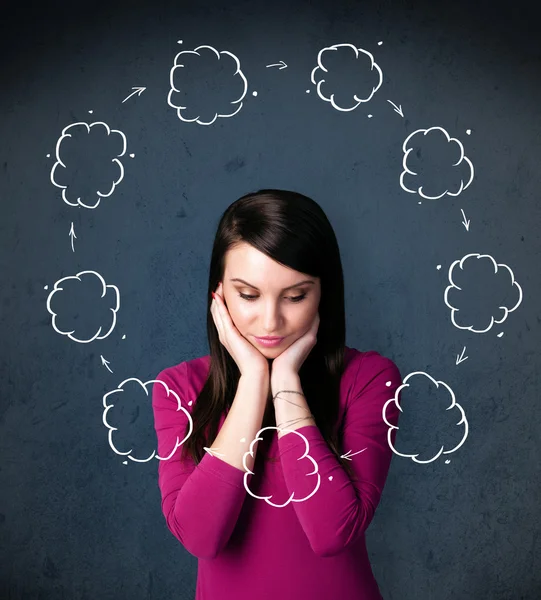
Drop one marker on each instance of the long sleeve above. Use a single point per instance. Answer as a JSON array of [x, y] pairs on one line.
[[340, 511], [201, 504]]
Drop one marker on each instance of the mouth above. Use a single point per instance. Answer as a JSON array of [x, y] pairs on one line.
[[269, 341]]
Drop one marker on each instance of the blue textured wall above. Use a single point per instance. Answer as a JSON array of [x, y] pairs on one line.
[[80, 521]]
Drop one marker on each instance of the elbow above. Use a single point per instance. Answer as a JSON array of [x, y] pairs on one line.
[[329, 545], [193, 541], [336, 546], [203, 552], [207, 550], [327, 551], [196, 547], [344, 537]]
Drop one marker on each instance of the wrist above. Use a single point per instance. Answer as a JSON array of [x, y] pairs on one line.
[[278, 374], [283, 379]]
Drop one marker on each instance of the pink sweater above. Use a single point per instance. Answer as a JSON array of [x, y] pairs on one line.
[[312, 548]]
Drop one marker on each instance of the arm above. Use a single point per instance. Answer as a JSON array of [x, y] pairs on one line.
[[243, 422], [201, 504], [340, 511]]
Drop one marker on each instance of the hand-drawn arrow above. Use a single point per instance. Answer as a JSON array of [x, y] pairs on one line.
[[105, 363], [348, 457], [278, 65], [72, 235], [465, 222], [397, 109], [461, 358], [138, 90]]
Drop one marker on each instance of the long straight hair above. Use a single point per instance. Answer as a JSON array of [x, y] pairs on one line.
[[293, 230]]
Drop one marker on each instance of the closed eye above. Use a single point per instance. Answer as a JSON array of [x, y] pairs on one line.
[[293, 299]]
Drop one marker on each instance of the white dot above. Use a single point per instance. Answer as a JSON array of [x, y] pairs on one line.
[[307, 91], [379, 43], [388, 384], [468, 131], [46, 287], [330, 478], [500, 334], [242, 439], [132, 155], [254, 93], [125, 462], [124, 337], [48, 155], [438, 267], [179, 41], [369, 116], [90, 111]]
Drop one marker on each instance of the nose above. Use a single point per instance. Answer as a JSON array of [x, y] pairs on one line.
[[272, 319]]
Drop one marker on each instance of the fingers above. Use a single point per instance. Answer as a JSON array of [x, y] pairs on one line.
[[220, 313], [216, 315], [225, 317], [218, 294]]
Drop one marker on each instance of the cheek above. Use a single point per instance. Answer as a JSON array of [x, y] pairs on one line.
[[238, 314], [308, 319]]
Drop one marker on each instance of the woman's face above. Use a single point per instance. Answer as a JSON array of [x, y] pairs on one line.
[[272, 310]]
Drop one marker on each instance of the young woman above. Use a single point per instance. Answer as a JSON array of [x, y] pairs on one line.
[[279, 513]]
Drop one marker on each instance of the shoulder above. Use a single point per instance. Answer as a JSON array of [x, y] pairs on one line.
[[371, 363], [195, 365], [187, 377], [368, 361], [365, 367]]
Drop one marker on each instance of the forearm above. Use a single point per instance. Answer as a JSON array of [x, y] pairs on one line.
[[243, 422], [291, 409]]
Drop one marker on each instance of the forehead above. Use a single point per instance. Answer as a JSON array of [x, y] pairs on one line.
[[252, 265]]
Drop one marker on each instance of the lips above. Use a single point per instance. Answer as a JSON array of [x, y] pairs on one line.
[[270, 339], [269, 343]]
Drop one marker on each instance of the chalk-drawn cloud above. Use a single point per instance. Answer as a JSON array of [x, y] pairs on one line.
[[304, 456], [497, 282], [87, 140], [357, 66], [133, 400], [433, 159], [445, 398], [225, 75], [72, 295]]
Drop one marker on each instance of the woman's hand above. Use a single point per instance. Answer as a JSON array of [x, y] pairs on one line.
[[292, 358], [247, 357]]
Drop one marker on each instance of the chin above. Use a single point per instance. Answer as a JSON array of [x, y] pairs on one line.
[[270, 353], [264, 350]]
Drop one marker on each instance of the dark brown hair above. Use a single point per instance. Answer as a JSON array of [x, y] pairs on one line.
[[293, 230]]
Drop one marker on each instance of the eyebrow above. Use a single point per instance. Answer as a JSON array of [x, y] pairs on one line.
[[287, 288]]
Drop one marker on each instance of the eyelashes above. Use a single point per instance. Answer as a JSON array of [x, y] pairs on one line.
[[293, 299]]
